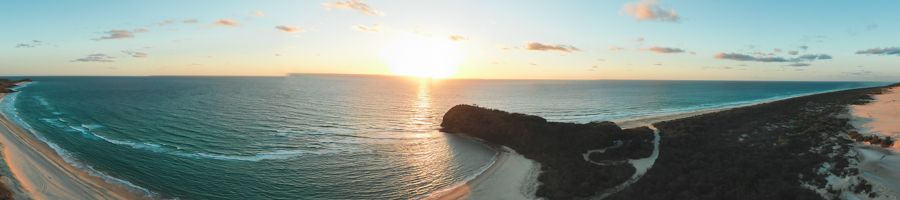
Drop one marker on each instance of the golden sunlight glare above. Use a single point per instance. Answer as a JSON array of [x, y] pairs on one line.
[[414, 55]]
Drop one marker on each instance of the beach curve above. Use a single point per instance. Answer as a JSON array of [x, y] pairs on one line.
[[509, 176], [43, 174]]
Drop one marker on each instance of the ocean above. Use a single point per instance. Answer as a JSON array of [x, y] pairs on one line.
[[324, 136]]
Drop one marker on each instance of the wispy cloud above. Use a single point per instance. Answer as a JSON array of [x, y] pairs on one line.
[[97, 57], [859, 73], [289, 29], [812, 57], [141, 30], [364, 28], [881, 51], [259, 14], [664, 50], [798, 64], [166, 22], [793, 53], [745, 57], [30, 44], [135, 54], [536, 46], [226, 22], [190, 21], [871, 27], [616, 48], [353, 5], [648, 10], [458, 38], [116, 34]]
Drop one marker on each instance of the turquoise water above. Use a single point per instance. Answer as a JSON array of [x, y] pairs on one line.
[[322, 136]]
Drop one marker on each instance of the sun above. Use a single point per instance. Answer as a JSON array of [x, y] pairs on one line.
[[414, 55]]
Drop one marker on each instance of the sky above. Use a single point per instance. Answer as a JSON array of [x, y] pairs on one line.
[[503, 39]]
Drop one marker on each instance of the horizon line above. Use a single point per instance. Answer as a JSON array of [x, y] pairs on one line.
[[415, 77]]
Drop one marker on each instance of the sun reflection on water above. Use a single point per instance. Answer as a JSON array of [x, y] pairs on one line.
[[429, 157]]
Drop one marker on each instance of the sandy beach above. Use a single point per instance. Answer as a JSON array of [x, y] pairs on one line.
[[45, 175], [510, 176], [878, 165], [882, 115]]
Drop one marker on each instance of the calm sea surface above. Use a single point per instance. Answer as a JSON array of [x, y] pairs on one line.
[[322, 136]]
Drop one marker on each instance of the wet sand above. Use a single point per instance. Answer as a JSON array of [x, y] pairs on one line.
[[43, 174]]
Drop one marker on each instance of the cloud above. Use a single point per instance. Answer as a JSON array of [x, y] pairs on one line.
[[776, 50], [354, 5], [871, 27], [259, 14], [97, 57], [458, 38], [859, 73], [647, 10], [117, 34], [190, 21], [745, 57], [141, 30], [166, 22], [135, 54], [616, 48], [227, 22], [536, 46], [371, 29], [881, 51], [798, 64], [804, 47], [30, 44], [658, 49], [793, 53], [289, 29], [811, 57]]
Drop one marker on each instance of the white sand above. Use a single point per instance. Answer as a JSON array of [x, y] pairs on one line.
[[43, 174], [514, 178], [879, 166], [511, 176], [881, 116]]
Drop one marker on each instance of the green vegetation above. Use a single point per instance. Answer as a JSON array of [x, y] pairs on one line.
[[558, 147], [766, 151]]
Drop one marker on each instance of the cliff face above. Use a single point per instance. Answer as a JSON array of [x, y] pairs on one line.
[[557, 146]]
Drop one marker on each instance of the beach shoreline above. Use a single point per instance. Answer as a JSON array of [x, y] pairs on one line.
[[43, 174], [513, 175]]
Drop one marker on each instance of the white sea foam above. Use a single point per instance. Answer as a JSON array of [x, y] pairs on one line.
[[10, 112], [159, 148], [87, 131]]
